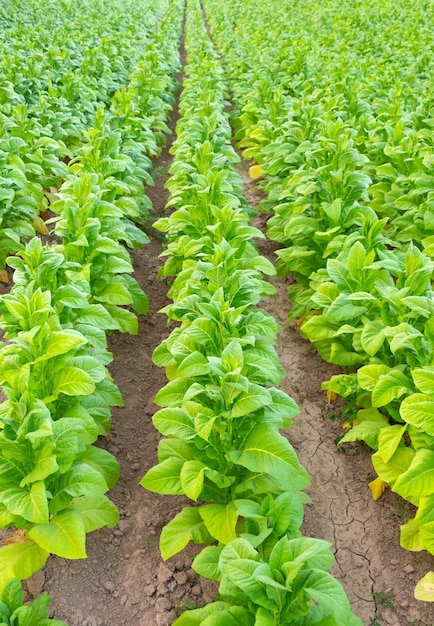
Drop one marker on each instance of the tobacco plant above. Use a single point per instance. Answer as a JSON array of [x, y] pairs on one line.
[[221, 414]]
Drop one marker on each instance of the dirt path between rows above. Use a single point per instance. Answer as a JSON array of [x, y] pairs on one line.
[[124, 581]]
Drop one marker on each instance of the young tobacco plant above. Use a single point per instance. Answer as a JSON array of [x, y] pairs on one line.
[[14, 613]]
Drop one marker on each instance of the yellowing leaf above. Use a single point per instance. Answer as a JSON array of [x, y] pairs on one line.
[[171, 371], [4, 278], [39, 225], [377, 487], [255, 171], [425, 588], [331, 396], [347, 425]]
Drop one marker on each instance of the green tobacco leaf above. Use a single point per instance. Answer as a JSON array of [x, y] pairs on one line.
[[32, 504], [418, 480], [13, 594], [329, 594], [207, 563], [372, 337], [96, 511], [115, 293], [173, 393], [368, 376], [123, 320], [281, 410], [65, 535], [366, 431], [389, 387], [418, 410], [218, 614], [20, 560], [220, 521], [307, 552], [174, 422], [389, 439], [164, 477], [251, 400], [72, 381], [410, 537], [424, 379], [243, 574], [103, 462], [45, 467], [60, 342], [195, 364], [395, 467], [266, 451], [192, 477], [186, 526]]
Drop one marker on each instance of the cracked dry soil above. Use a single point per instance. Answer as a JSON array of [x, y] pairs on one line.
[[124, 581]]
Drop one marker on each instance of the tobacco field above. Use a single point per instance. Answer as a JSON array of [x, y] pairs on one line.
[[216, 313]]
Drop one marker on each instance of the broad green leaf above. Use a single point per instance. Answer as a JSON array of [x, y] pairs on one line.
[[389, 439], [115, 293], [365, 431], [389, 387], [32, 504], [395, 467], [195, 364], [217, 614], [64, 535], [308, 552], [164, 477], [45, 466], [372, 337], [174, 422], [13, 594], [96, 511], [60, 342], [232, 356], [72, 381], [368, 376], [220, 521], [266, 451], [243, 574], [424, 379], [418, 410], [20, 560], [328, 593], [186, 526], [123, 320], [206, 563], [410, 537], [281, 410], [251, 400], [103, 462], [172, 394], [192, 477], [418, 480]]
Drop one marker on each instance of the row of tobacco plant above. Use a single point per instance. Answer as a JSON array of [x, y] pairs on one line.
[[66, 297], [348, 173], [221, 412]]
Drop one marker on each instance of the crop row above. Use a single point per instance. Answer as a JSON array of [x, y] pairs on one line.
[[65, 298], [221, 410], [65, 72], [348, 173]]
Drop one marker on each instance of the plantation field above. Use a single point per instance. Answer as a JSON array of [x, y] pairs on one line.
[[216, 266]]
